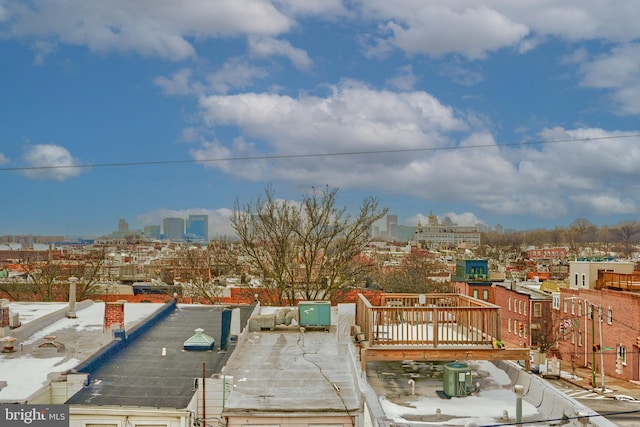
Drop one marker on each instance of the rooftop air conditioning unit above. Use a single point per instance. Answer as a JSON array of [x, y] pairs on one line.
[[456, 379], [315, 313]]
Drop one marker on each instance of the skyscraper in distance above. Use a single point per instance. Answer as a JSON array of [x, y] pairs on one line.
[[198, 228], [173, 228]]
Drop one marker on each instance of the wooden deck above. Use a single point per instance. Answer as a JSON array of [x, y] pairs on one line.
[[431, 327], [625, 282]]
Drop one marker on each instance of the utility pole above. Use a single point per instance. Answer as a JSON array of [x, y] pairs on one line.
[[593, 346], [601, 349]]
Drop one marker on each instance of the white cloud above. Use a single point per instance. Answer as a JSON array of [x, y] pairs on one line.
[[219, 219], [148, 27], [445, 166], [437, 28], [267, 47], [620, 72], [50, 161], [235, 74], [178, 84], [404, 79], [3, 159], [474, 28]]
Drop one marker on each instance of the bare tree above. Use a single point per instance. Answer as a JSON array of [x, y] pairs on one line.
[[307, 250], [626, 235], [196, 267], [415, 275], [47, 278]]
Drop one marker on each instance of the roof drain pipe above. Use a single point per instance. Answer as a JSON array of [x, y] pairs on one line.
[[204, 396]]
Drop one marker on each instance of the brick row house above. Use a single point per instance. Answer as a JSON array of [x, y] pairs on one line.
[[526, 311], [598, 318]]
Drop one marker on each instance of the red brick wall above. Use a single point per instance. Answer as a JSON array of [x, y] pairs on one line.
[[623, 330], [518, 316]]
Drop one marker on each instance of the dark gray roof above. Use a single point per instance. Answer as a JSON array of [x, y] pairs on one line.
[[139, 374]]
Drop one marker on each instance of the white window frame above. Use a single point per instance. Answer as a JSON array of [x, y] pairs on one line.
[[621, 352], [609, 316], [537, 309]]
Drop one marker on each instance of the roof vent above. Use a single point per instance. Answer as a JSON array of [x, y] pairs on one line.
[[50, 342], [199, 342]]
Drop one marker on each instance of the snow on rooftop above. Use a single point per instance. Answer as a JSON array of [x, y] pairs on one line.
[[485, 407], [26, 375], [32, 310], [25, 370]]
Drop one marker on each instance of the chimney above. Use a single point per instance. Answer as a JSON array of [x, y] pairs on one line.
[[4, 312], [73, 281], [114, 315]]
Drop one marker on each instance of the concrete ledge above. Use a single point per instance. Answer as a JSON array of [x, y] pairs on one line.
[[550, 401]]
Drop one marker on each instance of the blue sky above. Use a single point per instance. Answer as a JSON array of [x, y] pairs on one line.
[[243, 94]]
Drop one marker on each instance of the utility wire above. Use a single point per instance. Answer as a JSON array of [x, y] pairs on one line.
[[312, 155]]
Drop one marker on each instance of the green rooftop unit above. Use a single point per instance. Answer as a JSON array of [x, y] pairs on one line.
[[314, 313], [456, 379]]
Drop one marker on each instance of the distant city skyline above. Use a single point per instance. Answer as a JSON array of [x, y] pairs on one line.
[[523, 114]]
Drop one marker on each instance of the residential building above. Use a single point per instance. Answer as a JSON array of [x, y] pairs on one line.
[[584, 272], [472, 278], [287, 375], [600, 328], [173, 229], [526, 314], [547, 253]]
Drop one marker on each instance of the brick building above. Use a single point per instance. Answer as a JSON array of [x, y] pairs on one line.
[[526, 315], [617, 314]]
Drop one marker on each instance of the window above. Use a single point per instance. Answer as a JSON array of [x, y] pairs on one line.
[[584, 282], [621, 353], [580, 309], [485, 294], [555, 302], [509, 303], [475, 293], [524, 309], [537, 309], [509, 325], [576, 280], [573, 307], [579, 338], [573, 337], [520, 306], [566, 305], [609, 316], [590, 312]]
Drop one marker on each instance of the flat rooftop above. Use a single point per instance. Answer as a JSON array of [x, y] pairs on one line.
[[154, 370], [287, 370], [25, 371]]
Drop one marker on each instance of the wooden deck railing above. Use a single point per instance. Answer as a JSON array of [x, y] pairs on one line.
[[611, 280], [428, 320]]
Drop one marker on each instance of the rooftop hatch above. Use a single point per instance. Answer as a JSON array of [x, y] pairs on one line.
[[199, 342]]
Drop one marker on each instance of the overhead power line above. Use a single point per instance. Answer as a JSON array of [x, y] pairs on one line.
[[311, 155]]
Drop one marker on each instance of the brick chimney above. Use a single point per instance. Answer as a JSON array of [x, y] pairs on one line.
[[114, 315]]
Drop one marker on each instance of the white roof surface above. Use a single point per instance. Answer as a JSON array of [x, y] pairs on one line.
[[25, 371]]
